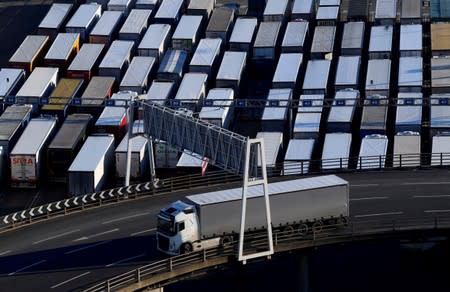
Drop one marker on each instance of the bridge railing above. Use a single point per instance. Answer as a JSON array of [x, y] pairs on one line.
[[167, 269]]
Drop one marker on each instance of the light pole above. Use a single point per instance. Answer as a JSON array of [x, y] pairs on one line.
[[130, 117]]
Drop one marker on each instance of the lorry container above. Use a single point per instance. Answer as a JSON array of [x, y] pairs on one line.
[[135, 25], [187, 33], [310, 103], [139, 157], [316, 77], [440, 75], [61, 98], [266, 45], [85, 64], [165, 156], [90, 169], [243, 34], [386, 12], [323, 42], [84, 20], [287, 71], [373, 150], [220, 112], [295, 37], [30, 53], [173, 66], [307, 125], [324, 3], [439, 113], [273, 148], [138, 74], [303, 9], [347, 73], [97, 90], [28, 155], [378, 77], [276, 10], [358, 10], [203, 8], [123, 6], [336, 150], [65, 146], [206, 57], [380, 44], [411, 40], [438, 10], [107, 28], [231, 70], [39, 85], [407, 149], [440, 39], [440, 154], [116, 60], [169, 12], [410, 74], [374, 115], [298, 156], [155, 41], [409, 112], [192, 91], [353, 38], [274, 118], [411, 11], [56, 17], [112, 120], [147, 4], [10, 81], [17, 112], [295, 204], [62, 51], [189, 163], [327, 15], [220, 24], [342, 112], [160, 91]]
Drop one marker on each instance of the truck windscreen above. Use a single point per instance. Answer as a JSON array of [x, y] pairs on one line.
[[166, 226]]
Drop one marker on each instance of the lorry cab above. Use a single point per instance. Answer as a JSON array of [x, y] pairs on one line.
[[177, 228]]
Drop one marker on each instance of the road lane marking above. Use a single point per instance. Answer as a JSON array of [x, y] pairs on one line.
[[69, 280], [125, 260], [437, 211], [125, 218], [365, 185], [96, 235], [27, 267], [56, 236], [379, 214], [5, 252], [369, 198], [430, 196], [87, 246], [143, 231], [425, 183]]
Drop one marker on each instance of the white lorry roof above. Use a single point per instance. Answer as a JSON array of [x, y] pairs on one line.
[[117, 54], [8, 78], [92, 153], [159, 90], [28, 49], [138, 71], [62, 46], [86, 57], [56, 15], [347, 72], [288, 67], [37, 83], [277, 113], [378, 74], [84, 15], [191, 86], [136, 21], [232, 65], [207, 50], [187, 27], [221, 107], [381, 38], [154, 36], [169, 8], [410, 71], [34, 136], [316, 76], [343, 106], [107, 23], [299, 149], [410, 37], [243, 30], [295, 34]]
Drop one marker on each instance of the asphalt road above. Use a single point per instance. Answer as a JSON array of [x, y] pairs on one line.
[[76, 251]]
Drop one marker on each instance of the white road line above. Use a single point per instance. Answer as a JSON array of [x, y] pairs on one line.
[[430, 196], [125, 260], [96, 235], [365, 185], [369, 198], [67, 281], [143, 231], [86, 247], [5, 252], [437, 211], [379, 214], [27, 267], [125, 218], [56, 236], [425, 183]]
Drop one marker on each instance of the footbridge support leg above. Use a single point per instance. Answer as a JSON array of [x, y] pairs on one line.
[[303, 270]]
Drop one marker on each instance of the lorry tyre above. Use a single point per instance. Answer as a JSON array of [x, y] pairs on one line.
[[225, 241], [317, 226], [186, 248], [288, 230], [303, 229]]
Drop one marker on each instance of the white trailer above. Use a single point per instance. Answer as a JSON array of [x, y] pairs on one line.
[[407, 149], [220, 24], [439, 113], [307, 125], [201, 7], [316, 77], [139, 157], [116, 60], [295, 37], [187, 33], [274, 118], [135, 25], [30, 52], [347, 73], [220, 112], [440, 154], [310, 103], [298, 156], [372, 153], [410, 74], [28, 155], [147, 4], [155, 41], [173, 65], [243, 34], [380, 44], [84, 20], [138, 75], [189, 162], [106, 29], [54, 19], [273, 148], [165, 156], [411, 40], [169, 12], [323, 42], [276, 10], [86, 62], [378, 77], [386, 11], [303, 9], [266, 45], [342, 112], [62, 51], [90, 169], [231, 70], [10, 81], [336, 150], [160, 91], [206, 57], [409, 112], [123, 6], [353, 38], [192, 91], [287, 71], [327, 15]]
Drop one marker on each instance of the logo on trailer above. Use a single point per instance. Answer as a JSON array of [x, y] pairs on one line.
[[22, 161]]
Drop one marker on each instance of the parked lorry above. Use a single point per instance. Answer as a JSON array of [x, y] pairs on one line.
[[30, 53], [300, 204], [55, 18]]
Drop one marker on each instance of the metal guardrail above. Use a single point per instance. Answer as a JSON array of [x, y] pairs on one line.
[[156, 273]]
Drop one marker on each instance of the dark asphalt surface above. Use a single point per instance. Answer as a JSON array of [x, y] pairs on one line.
[[78, 250]]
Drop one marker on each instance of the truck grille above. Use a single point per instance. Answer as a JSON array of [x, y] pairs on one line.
[[163, 242]]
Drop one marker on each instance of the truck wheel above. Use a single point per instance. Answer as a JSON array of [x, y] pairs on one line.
[[303, 229], [317, 226], [186, 248], [225, 241], [288, 230]]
